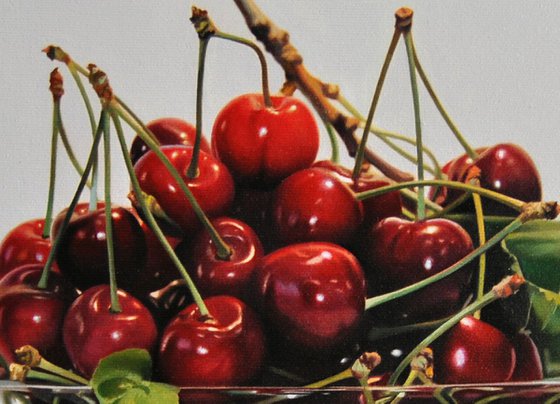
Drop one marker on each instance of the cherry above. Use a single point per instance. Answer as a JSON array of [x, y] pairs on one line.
[[214, 275], [168, 301], [213, 188], [473, 352], [528, 365], [30, 275], [263, 145], [313, 294], [82, 256], [168, 131], [313, 205], [7, 354], [226, 350], [92, 331], [24, 244], [399, 252]]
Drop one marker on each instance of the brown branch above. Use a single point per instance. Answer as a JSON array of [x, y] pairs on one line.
[[277, 42]]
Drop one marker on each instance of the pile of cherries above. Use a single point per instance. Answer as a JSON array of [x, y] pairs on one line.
[[285, 284]]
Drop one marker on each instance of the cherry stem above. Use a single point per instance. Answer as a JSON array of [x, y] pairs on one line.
[[43, 281], [458, 135], [505, 288], [377, 333], [115, 305], [421, 205], [149, 217], [192, 171], [362, 145], [481, 240], [506, 200], [333, 139], [345, 374], [384, 298], [21, 373], [52, 174]]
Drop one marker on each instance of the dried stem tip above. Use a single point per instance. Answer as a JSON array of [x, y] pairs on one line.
[[403, 18], [508, 286], [18, 372], [539, 210], [424, 363], [29, 356], [100, 83], [202, 22], [56, 84], [363, 366], [56, 53]]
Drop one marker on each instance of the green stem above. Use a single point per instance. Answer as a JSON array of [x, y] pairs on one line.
[[481, 240], [384, 298], [52, 173], [362, 146], [262, 60], [223, 251], [138, 121], [375, 334], [43, 281], [486, 299], [413, 196], [468, 149], [152, 221], [421, 206], [106, 126], [48, 377], [506, 200], [345, 374], [333, 139], [192, 171], [366, 390]]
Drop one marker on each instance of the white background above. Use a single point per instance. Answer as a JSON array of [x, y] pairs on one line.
[[494, 65]]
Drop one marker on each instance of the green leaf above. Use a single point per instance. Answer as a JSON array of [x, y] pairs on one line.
[[123, 377]]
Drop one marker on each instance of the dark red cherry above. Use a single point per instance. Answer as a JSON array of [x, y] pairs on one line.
[[399, 252], [313, 294], [313, 205], [213, 188], [473, 352], [168, 131], [528, 364], [82, 256], [31, 274], [214, 275], [227, 350], [92, 331], [25, 244], [8, 355], [261, 145]]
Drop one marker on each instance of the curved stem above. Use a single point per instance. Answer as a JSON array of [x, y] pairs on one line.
[[421, 205], [152, 221], [413, 196], [387, 297], [333, 139], [468, 149], [192, 171], [52, 172], [262, 60], [115, 305], [362, 145], [138, 121], [506, 200], [481, 240]]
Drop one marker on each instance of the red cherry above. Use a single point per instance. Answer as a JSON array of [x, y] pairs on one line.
[[313, 294], [92, 331], [82, 256], [168, 131], [528, 364], [7, 354], [213, 188], [30, 275], [227, 350], [399, 252], [24, 244], [263, 145], [313, 205], [473, 352], [215, 276]]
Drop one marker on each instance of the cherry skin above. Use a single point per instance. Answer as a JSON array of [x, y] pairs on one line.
[[473, 352], [214, 275], [399, 252], [168, 131], [82, 256], [213, 188], [226, 350], [528, 364], [263, 145], [8, 355], [313, 205], [313, 294], [91, 331], [24, 244]]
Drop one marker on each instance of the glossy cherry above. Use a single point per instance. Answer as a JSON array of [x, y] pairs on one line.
[[7, 354], [92, 331], [214, 275], [399, 252], [473, 352], [263, 145], [24, 244], [168, 131], [213, 188], [313, 294], [313, 205], [82, 256], [226, 350], [528, 364]]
